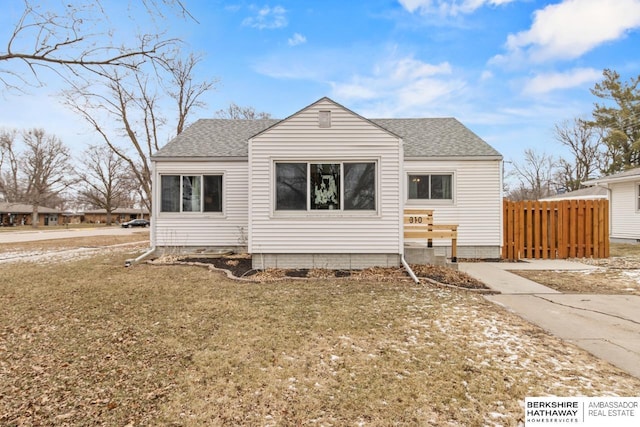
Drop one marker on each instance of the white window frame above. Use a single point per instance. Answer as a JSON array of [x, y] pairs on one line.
[[201, 211], [308, 212], [422, 202], [637, 197]]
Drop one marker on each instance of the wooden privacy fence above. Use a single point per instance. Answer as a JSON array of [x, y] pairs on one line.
[[559, 229]]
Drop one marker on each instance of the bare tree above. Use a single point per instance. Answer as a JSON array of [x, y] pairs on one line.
[[586, 149], [236, 112], [105, 181], [11, 186], [78, 36], [534, 176], [133, 101], [38, 172]]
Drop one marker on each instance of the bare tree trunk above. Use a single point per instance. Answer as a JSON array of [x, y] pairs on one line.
[[34, 217]]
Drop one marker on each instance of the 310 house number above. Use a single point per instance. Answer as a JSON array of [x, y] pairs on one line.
[[415, 220]]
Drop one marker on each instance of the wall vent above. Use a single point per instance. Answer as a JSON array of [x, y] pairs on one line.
[[324, 119]]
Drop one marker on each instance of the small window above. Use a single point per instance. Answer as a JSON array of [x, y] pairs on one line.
[[212, 193], [170, 193], [191, 193], [638, 198], [430, 187], [360, 186], [291, 186], [325, 186]]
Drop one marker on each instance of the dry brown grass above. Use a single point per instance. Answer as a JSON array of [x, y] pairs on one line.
[[94, 343], [618, 275]]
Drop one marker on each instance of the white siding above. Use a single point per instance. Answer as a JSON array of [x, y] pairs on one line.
[[625, 217], [300, 138], [477, 204], [185, 229]]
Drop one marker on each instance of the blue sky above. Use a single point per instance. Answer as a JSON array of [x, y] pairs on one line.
[[508, 69]]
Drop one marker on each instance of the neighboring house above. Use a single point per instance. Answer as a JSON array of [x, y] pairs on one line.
[[324, 187], [624, 204], [99, 216], [587, 193], [20, 214]]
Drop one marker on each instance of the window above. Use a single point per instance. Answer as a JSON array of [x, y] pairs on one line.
[[191, 193], [326, 186], [430, 187]]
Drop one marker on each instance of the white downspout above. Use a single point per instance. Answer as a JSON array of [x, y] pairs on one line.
[[402, 195], [130, 262], [409, 270], [606, 187]]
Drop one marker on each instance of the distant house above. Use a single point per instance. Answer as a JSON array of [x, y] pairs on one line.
[[99, 216], [20, 214], [587, 193], [325, 187], [624, 204]]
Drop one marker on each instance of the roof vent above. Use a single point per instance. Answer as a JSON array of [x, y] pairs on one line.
[[324, 119]]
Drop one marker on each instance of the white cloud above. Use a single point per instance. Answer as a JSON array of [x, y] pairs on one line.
[[571, 28], [448, 7], [268, 18], [486, 75], [297, 39], [403, 85], [544, 83]]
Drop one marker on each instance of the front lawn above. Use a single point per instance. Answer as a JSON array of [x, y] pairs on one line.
[[90, 342]]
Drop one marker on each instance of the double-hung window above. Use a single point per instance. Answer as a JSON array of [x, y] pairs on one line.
[[430, 187], [343, 186], [191, 193]]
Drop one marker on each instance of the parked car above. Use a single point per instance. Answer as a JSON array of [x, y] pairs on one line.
[[136, 223]]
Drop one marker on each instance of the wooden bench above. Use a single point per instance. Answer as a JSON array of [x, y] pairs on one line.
[[418, 224]]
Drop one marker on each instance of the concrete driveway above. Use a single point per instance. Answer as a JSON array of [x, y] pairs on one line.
[[608, 326], [58, 233]]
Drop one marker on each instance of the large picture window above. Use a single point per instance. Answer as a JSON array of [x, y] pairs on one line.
[[326, 186], [191, 193], [431, 187]]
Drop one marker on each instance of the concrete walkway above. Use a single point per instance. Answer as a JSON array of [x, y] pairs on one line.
[[608, 326]]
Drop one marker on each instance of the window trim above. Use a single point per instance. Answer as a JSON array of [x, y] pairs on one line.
[[637, 197], [324, 213], [201, 212], [430, 172]]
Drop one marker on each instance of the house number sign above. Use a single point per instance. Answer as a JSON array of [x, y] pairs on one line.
[[416, 219]]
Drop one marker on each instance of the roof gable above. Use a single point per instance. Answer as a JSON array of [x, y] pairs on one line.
[[325, 103]]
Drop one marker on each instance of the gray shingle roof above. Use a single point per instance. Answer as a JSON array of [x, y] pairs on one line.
[[437, 137], [430, 137], [628, 175], [214, 138], [583, 193]]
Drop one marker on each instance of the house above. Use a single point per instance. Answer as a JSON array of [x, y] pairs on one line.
[[624, 204], [324, 187], [587, 193], [99, 216], [20, 214]]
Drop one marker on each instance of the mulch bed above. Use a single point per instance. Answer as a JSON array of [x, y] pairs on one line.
[[240, 266]]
